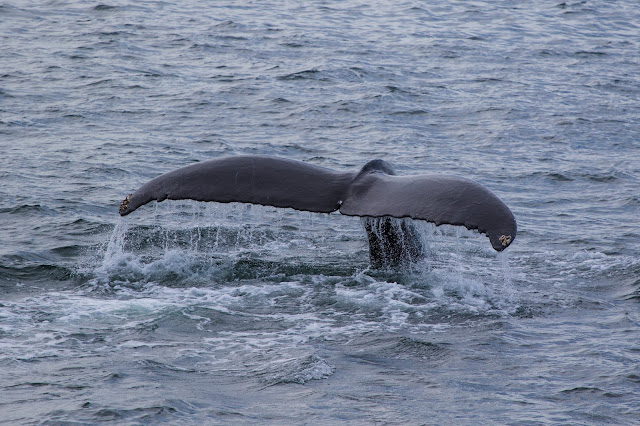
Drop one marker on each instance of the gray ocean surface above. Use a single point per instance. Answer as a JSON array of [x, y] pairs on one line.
[[204, 313]]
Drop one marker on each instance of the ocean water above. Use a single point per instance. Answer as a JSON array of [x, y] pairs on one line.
[[192, 313]]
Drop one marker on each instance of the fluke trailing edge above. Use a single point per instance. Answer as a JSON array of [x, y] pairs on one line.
[[375, 192]]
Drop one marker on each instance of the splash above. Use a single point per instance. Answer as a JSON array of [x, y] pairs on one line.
[[393, 242], [115, 246], [195, 244], [190, 246]]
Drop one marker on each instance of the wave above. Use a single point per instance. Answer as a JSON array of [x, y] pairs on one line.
[[294, 370]]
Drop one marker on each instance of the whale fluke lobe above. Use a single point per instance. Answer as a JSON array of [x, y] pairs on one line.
[[265, 180], [373, 192], [439, 199]]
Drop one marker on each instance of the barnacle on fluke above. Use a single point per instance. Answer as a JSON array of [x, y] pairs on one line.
[[505, 240], [124, 204]]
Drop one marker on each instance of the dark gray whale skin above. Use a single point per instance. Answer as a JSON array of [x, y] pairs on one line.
[[375, 191]]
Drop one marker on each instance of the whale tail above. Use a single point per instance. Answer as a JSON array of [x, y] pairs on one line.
[[374, 192]]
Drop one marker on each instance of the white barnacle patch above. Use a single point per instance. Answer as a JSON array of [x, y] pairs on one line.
[[505, 240], [125, 203]]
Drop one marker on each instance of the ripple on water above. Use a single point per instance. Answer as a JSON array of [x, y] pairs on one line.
[[196, 315]]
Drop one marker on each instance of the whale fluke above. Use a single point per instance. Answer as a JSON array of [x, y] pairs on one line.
[[375, 191], [439, 199], [265, 180]]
